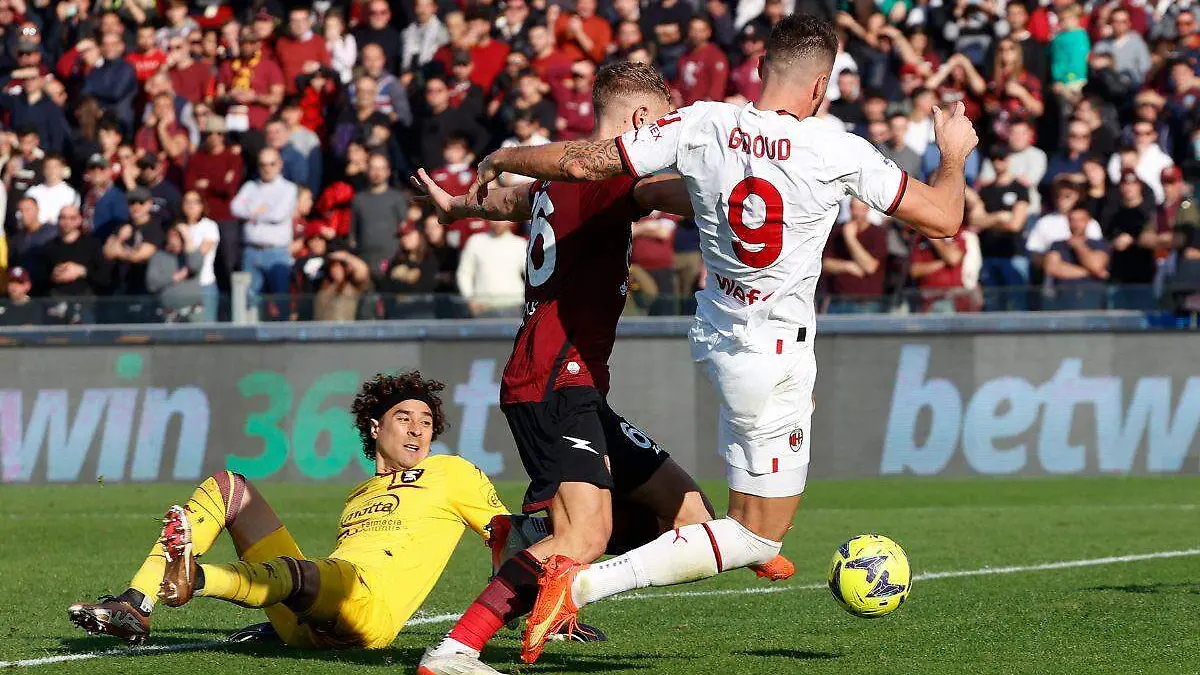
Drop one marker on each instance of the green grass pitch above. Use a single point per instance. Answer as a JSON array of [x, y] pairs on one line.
[[62, 544]]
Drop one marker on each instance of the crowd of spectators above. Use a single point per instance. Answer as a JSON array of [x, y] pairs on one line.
[[152, 148]]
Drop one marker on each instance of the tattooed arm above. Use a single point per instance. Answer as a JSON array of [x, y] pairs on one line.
[[570, 161]]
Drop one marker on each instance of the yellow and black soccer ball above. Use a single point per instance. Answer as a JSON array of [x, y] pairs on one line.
[[869, 576]]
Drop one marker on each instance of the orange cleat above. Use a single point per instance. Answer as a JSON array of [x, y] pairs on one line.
[[775, 569], [554, 607]]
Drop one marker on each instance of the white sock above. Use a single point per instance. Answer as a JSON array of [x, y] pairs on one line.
[[685, 554], [449, 646]]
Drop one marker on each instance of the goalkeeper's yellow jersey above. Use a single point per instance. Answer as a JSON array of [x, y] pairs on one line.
[[399, 529]]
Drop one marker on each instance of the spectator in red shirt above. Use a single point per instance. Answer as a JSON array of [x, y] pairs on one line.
[[319, 93], [216, 172], [575, 118], [190, 78], [161, 134], [854, 263], [582, 34], [703, 70], [487, 54], [745, 83], [652, 262], [147, 59], [264, 26], [937, 268], [252, 82], [301, 52], [550, 64], [1014, 92], [455, 177]]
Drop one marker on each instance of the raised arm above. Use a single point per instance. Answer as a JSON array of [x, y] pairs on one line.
[[936, 210]]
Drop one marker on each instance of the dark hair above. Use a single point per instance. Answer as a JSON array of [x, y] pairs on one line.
[[801, 36], [626, 78], [389, 390], [109, 124]]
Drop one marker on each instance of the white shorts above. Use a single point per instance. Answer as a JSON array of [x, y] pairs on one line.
[[787, 483], [765, 416]]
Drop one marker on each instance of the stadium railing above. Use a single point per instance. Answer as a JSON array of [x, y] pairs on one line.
[[375, 306]]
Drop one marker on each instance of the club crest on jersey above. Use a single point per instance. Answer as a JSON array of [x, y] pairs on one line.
[[411, 475], [796, 440]]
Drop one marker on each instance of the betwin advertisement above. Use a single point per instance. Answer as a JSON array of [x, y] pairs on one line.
[[1047, 403]]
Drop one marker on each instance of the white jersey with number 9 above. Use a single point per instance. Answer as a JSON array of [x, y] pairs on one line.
[[766, 189]]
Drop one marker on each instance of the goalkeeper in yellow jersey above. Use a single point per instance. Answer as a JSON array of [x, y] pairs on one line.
[[396, 534]]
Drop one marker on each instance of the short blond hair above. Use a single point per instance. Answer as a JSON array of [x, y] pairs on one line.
[[619, 80]]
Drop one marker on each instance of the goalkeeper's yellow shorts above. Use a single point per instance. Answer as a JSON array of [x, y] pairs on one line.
[[346, 612]]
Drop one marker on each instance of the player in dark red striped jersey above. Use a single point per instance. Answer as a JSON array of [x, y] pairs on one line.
[[583, 459]]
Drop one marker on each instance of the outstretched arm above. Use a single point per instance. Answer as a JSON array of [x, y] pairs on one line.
[[565, 160], [502, 204]]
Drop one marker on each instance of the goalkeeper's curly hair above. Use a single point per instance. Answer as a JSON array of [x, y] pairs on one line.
[[388, 390]]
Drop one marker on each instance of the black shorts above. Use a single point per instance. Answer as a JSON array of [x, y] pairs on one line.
[[575, 437]]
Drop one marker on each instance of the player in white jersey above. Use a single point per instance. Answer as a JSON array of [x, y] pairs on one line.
[[765, 181]]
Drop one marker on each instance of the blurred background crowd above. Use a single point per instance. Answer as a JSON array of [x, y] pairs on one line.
[[151, 149]]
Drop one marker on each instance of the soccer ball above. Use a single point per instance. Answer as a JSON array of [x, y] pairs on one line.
[[869, 576]]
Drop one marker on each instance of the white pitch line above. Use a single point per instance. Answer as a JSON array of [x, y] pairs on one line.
[[421, 620], [185, 647], [952, 574]]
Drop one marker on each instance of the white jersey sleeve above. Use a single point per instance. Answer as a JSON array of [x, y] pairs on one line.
[[653, 147], [868, 175]]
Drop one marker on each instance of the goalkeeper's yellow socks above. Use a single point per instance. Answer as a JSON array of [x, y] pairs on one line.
[[259, 584], [213, 505]]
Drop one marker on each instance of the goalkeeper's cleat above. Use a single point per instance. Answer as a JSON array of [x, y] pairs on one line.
[[111, 616], [511, 533], [580, 632], [179, 579], [258, 633], [554, 607], [775, 569], [453, 664]]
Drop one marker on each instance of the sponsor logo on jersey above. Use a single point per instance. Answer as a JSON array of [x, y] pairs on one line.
[[381, 505], [796, 440], [739, 292], [411, 475]]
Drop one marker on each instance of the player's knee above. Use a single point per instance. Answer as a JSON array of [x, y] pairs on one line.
[[586, 543], [236, 493], [694, 508]]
